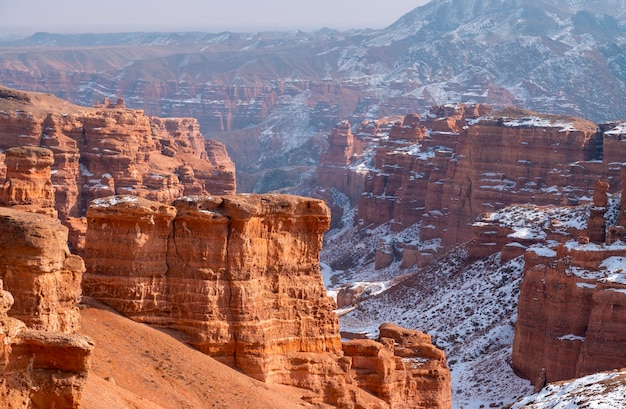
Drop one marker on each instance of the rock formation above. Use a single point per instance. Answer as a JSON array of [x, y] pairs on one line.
[[28, 186], [40, 369], [572, 297], [45, 363], [570, 313], [343, 167], [403, 368], [104, 151], [37, 268], [240, 274], [461, 161]]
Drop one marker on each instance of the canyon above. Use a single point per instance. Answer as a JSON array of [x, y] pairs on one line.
[[271, 97], [439, 173], [239, 275]]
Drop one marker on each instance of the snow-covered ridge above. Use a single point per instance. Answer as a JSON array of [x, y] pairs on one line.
[[531, 121]]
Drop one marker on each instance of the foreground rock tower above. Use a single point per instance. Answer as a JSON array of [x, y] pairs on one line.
[[241, 275], [44, 362]]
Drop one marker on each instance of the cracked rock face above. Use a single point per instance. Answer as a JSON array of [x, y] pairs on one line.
[[240, 273]]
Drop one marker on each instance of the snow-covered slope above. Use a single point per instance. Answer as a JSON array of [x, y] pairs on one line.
[[598, 391], [470, 311], [469, 307]]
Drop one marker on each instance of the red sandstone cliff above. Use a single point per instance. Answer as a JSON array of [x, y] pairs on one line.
[[461, 161], [111, 150], [240, 274], [572, 297]]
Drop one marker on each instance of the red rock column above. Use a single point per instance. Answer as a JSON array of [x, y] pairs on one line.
[[38, 270], [27, 184], [125, 248]]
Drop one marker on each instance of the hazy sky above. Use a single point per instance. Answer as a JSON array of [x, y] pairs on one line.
[[70, 16]]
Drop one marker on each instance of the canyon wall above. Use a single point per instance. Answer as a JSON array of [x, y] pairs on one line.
[[241, 275], [571, 319], [111, 150], [40, 369], [44, 360], [462, 161]]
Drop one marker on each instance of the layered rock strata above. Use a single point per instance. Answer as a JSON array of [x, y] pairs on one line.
[[38, 269], [571, 319], [110, 150], [459, 161], [40, 369], [403, 368], [240, 274], [27, 185]]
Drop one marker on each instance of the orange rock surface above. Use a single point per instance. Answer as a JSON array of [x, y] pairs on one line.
[[240, 275], [27, 185], [571, 319], [40, 369], [110, 150], [403, 368], [461, 161], [37, 268]]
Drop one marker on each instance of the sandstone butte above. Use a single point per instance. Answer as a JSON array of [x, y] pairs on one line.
[[572, 305], [461, 161], [108, 150], [240, 275]]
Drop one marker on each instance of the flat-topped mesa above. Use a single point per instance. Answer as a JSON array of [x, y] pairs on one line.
[[239, 273], [38, 270], [27, 185]]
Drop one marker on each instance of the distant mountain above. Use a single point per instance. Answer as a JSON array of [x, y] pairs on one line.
[[550, 56], [271, 97]]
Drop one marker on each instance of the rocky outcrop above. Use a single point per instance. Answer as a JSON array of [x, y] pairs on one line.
[[240, 274], [403, 368], [40, 369], [570, 313], [344, 168], [461, 161], [113, 150], [37, 268], [27, 185]]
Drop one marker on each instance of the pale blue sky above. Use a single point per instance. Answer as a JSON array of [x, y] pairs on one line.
[[70, 16]]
